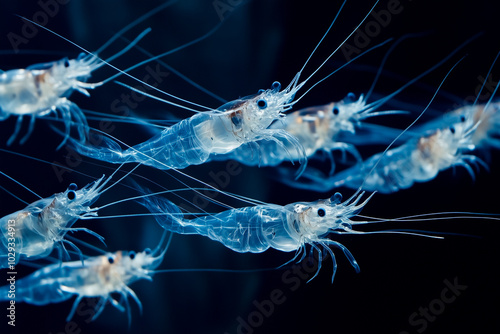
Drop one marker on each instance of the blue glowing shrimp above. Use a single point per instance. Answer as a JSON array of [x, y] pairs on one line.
[[192, 141], [317, 128], [97, 277], [257, 228], [41, 89], [36, 229], [418, 160]]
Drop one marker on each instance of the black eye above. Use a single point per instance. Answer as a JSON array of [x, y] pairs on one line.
[[335, 110], [147, 251], [321, 212], [462, 118], [72, 186], [262, 104], [66, 63], [452, 129], [71, 195], [111, 260], [131, 254]]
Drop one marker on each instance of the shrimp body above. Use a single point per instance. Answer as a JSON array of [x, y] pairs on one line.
[[258, 228], [418, 160], [44, 223], [320, 128], [195, 140], [44, 88], [98, 277]]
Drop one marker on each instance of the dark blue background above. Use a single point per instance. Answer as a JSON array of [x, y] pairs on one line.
[[263, 41]]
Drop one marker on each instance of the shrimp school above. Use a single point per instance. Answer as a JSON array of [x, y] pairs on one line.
[[225, 167]]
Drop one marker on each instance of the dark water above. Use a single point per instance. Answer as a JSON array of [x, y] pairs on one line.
[[405, 282]]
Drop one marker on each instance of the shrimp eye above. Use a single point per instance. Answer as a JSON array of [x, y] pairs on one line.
[[82, 55], [147, 251], [462, 118], [261, 91], [336, 198], [351, 96], [262, 104], [71, 195], [321, 212], [452, 129], [72, 186], [131, 254], [276, 86], [335, 110], [111, 260], [66, 63]]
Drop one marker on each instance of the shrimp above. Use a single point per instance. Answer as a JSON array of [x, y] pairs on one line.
[[194, 140], [317, 129], [418, 160], [43, 224], [257, 228], [97, 277], [42, 89]]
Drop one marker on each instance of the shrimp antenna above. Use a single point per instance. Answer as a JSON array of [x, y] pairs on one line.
[[484, 83], [335, 51], [404, 131], [134, 23], [22, 185], [124, 72]]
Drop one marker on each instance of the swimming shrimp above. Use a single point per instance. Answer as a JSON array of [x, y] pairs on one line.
[[41, 89], [192, 141], [97, 277], [257, 228], [317, 129], [418, 160], [44, 223]]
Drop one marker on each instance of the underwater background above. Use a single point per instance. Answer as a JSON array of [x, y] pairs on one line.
[[261, 41]]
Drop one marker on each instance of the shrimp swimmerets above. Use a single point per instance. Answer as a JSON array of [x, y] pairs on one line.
[[44, 223], [257, 228], [98, 277]]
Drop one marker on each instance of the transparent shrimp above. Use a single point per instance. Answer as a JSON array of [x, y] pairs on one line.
[[193, 140], [97, 277], [418, 160], [41, 89], [257, 228], [317, 129], [43, 224]]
